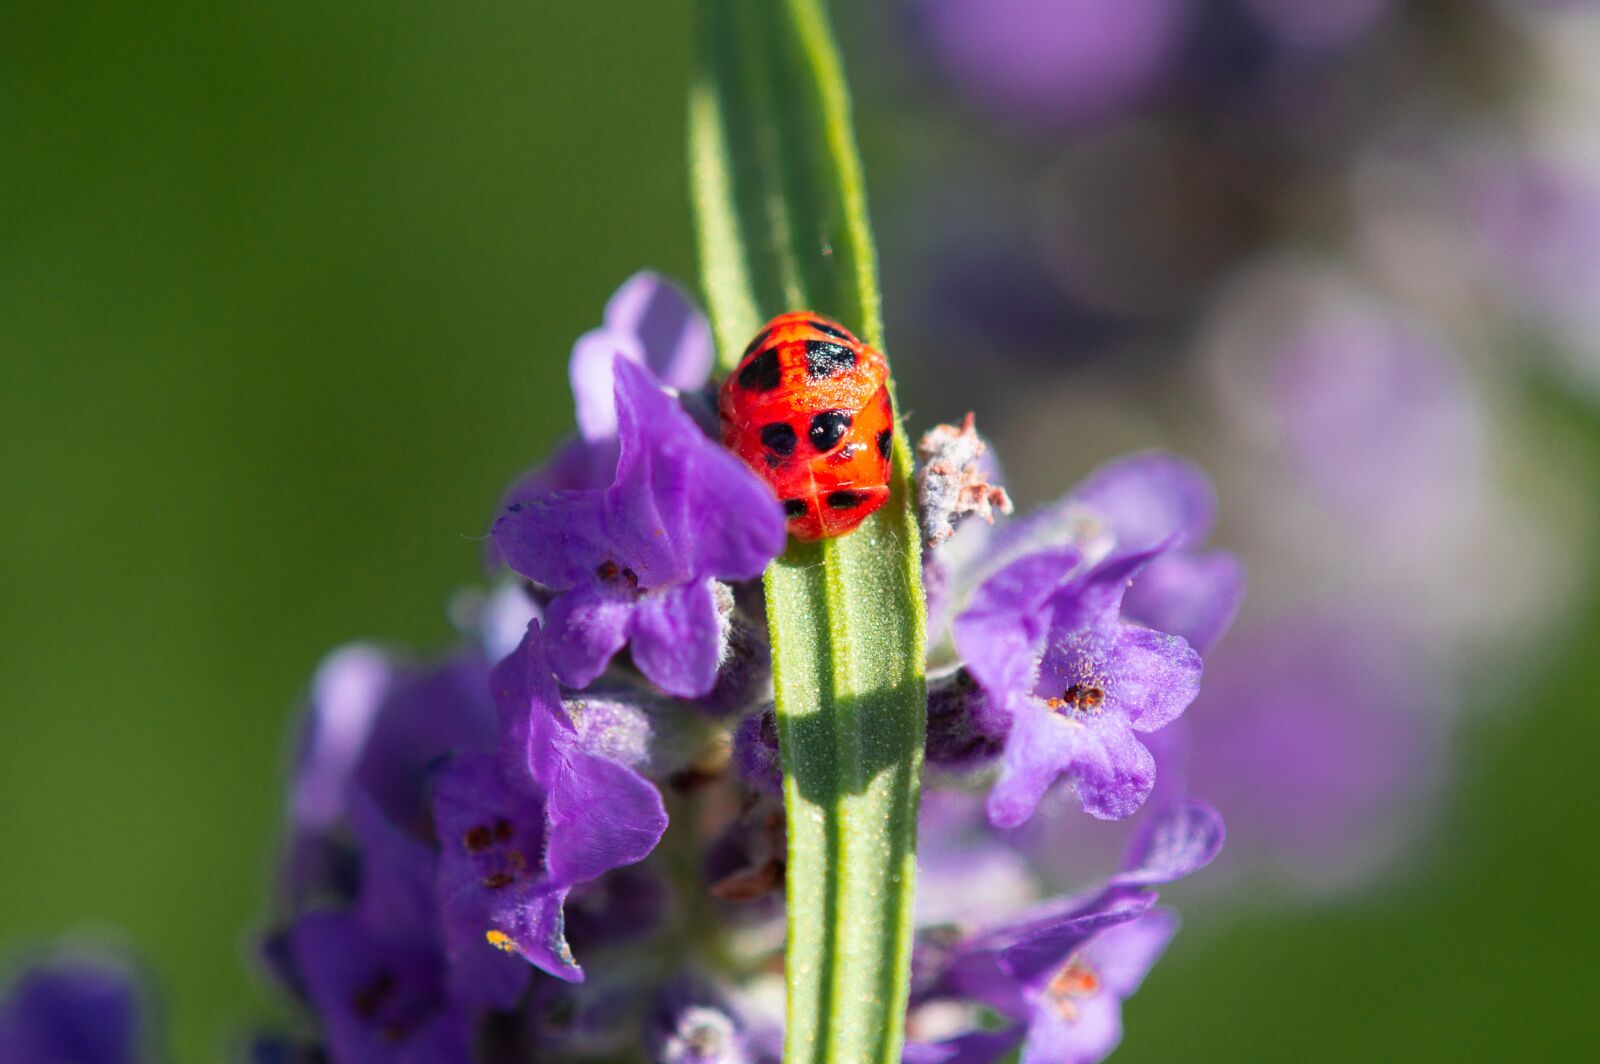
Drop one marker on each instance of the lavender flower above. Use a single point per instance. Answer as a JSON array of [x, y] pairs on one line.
[[638, 561], [521, 827], [1061, 971], [1044, 635], [1078, 681], [72, 1010]]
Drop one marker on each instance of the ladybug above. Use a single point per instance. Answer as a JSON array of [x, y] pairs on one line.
[[808, 409]]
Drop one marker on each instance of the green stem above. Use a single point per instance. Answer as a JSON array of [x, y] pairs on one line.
[[780, 206]]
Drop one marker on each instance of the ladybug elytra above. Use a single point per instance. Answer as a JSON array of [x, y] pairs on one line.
[[808, 409]]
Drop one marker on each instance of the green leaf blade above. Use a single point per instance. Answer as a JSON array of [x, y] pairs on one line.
[[781, 221]]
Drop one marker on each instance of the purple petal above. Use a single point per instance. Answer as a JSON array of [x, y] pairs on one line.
[[647, 322], [346, 694], [1152, 498], [1001, 634], [1046, 947], [557, 539], [674, 336], [397, 875], [1087, 1038], [1193, 595], [576, 464], [1037, 751], [492, 881], [1172, 845], [1112, 772], [1156, 675], [677, 639], [1122, 956], [425, 717], [538, 930], [380, 1002], [682, 505], [593, 377], [601, 816], [1093, 598], [534, 727], [587, 626], [1084, 1028]]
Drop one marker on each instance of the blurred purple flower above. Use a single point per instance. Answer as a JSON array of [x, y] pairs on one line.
[[520, 827], [1311, 736], [1061, 970], [1538, 218], [376, 975], [959, 858], [1050, 64], [637, 562], [1379, 420], [72, 1010], [1319, 23]]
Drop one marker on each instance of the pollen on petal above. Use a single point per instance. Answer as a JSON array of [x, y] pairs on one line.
[[501, 941]]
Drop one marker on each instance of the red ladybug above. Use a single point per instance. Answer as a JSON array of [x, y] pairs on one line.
[[808, 409]]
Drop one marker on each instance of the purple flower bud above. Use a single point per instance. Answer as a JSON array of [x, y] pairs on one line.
[[965, 727], [756, 754], [376, 975], [72, 1009], [636, 562]]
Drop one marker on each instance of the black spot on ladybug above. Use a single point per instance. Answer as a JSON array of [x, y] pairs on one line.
[[794, 507], [762, 373], [885, 441], [824, 359], [779, 438], [844, 500], [831, 330], [754, 345], [828, 428]]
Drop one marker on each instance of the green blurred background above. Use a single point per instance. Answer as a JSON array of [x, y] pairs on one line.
[[286, 300]]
